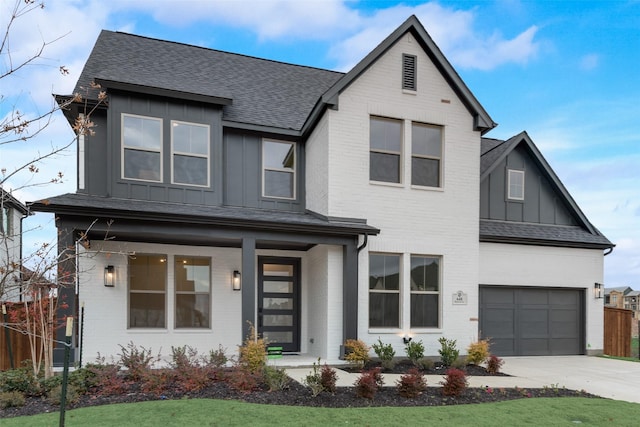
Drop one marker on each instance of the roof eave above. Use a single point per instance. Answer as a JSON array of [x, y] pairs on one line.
[[485, 238]]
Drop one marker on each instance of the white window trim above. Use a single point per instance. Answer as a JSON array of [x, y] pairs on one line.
[[122, 147], [422, 156], [511, 172], [438, 292], [180, 153], [400, 154], [294, 172], [176, 292]]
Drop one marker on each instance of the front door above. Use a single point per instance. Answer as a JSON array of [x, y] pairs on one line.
[[279, 302]]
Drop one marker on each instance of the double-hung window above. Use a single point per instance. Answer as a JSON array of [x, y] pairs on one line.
[[384, 290], [385, 156], [147, 291], [515, 184], [141, 148], [190, 153], [425, 291], [278, 169], [193, 290], [426, 155]]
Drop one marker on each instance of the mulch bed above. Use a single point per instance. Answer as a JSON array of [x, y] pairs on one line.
[[403, 365]]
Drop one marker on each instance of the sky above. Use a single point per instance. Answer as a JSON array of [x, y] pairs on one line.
[[567, 72]]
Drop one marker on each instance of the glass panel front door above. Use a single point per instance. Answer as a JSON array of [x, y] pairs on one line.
[[278, 302]]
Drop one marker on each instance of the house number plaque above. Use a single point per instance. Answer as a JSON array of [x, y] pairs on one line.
[[459, 298]]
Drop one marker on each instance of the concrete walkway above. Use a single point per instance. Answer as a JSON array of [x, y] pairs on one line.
[[614, 379]]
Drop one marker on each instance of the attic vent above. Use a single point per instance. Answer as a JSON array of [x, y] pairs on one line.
[[408, 72]]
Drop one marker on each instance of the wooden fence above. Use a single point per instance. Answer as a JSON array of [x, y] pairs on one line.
[[617, 332], [20, 349]]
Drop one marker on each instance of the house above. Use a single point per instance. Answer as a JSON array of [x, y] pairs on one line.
[[222, 190], [615, 297], [11, 213]]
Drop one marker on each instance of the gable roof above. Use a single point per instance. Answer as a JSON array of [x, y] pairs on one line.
[[493, 152], [482, 120], [620, 289], [270, 95], [12, 202]]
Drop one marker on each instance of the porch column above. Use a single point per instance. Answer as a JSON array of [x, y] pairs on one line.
[[350, 290], [248, 284], [66, 282]]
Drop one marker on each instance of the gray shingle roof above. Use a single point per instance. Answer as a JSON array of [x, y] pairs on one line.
[[263, 92]]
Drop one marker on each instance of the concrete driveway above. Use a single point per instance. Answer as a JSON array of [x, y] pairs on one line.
[[614, 379]]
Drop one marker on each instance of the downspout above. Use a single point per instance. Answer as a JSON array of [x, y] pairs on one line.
[[610, 250], [364, 243]]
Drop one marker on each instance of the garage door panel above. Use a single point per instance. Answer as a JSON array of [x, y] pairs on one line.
[[532, 321]]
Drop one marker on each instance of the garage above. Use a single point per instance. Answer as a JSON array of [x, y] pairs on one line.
[[531, 321]]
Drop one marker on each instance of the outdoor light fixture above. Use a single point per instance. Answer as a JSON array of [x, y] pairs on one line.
[[236, 280], [406, 339], [109, 276], [597, 290]]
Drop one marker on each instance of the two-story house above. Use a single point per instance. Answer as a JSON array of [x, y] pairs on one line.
[[11, 213], [221, 189]]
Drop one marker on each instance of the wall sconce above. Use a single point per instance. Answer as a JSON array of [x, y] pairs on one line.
[[597, 290], [236, 282], [109, 276], [406, 339]]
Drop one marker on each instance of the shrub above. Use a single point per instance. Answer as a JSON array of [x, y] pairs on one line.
[[11, 399], [183, 357], [415, 351], [328, 378], [54, 397], [137, 360], [426, 363], [157, 381], [455, 382], [314, 380], [244, 379], [48, 384], [385, 353], [217, 358], [411, 384], [357, 352], [82, 379], [448, 351], [276, 378], [459, 363], [253, 353], [21, 380], [105, 378], [368, 383], [494, 363], [478, 352]]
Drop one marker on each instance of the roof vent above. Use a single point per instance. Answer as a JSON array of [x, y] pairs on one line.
[[408, 72]]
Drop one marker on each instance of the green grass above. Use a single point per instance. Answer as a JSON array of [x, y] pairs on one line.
[[634, 347], [208, 412]]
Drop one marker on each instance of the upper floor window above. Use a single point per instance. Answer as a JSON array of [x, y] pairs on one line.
[[5, 223], [385, 137], [384, 290], [409, 72], [515, 184], [425, 291], [190, 153], [278, 169], [141, 148], [147, 291], [426, 155], [193, 288]]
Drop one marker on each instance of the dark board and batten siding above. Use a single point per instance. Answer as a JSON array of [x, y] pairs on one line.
[[541, 204], [532, 321]]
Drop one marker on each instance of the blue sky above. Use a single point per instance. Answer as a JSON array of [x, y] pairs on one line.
[[564, 71]]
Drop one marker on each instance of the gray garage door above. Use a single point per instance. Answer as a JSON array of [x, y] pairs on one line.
[[532, 321]]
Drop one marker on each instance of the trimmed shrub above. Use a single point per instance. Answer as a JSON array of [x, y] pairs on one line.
[[455, 382], [411, 384], [415, 352], [368, 383], [448, 351], [494, 363], [385, 353], [11, 399], [478, 352], [357, 352]]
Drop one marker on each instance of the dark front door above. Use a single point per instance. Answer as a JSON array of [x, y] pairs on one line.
[[279, 302]]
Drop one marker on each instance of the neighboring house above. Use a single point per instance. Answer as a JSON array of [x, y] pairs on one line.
[[615, 297], [317, 205], [11, 213]]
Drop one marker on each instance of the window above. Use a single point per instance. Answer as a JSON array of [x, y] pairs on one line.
[[193, 288], [516, 185], [425, 291], [141, 148], [5, 224], [426, 155], [147, 291], [408, 72], [190, 146], [614, 299], [384, 290], [278, 169], [385, 136]]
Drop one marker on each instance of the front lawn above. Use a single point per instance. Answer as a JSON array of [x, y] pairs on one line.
[[212, 412]]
